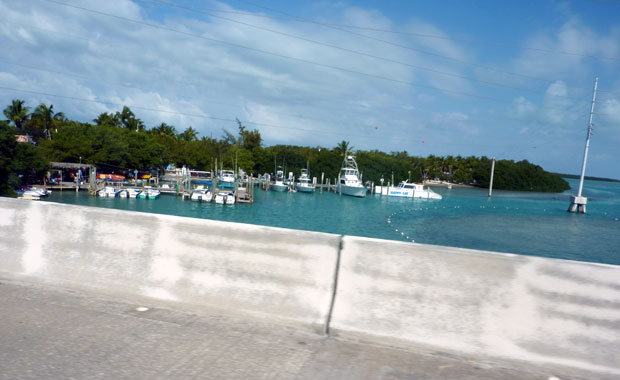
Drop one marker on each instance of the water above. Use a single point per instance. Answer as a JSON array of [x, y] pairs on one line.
[[526, 223]]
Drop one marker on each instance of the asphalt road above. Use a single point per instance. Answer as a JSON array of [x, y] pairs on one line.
[[50, 333]]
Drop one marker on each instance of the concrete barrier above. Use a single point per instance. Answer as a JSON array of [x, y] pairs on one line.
[[473, 302], [285, 276], [519, 307]]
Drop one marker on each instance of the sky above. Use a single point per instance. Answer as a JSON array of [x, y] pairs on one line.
[[510, 79]]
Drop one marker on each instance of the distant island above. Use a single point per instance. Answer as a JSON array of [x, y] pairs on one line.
[[576, 176], [120, 143]]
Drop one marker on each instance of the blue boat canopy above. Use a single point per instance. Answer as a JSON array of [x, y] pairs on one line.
[[204, 182]]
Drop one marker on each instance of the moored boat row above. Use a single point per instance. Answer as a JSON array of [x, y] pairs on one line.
[[112, 192], [350, 183]]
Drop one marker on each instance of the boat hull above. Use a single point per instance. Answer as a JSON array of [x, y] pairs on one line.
[[304, 189], [225, 199], [278, 187], [354, 191], [148, 195], [202, 197], [408, 193]]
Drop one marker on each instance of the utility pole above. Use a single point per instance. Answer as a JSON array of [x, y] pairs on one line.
[[491, 180], [577, 202]]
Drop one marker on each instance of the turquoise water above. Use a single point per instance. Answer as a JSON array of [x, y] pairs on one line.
[[526, 223]]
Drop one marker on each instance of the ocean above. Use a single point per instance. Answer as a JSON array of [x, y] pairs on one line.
[[534, 224]]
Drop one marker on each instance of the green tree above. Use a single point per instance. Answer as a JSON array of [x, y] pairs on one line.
[[108, 120], [343, 148], [48, 117], [189, 134], [164, 129], [250, 140], [7, 154], [17, 114], [18, 161]]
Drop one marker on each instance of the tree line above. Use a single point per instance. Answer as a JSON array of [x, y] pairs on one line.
[[121, 142]]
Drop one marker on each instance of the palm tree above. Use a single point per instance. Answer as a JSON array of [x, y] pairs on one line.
[[190, 134], [164, 129], [134, 124], [48, 117], [343, 148], [17, 113], [108, 119]]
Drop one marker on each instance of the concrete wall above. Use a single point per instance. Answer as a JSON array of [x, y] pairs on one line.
[[282, 275], [513, 306], [474, 302]]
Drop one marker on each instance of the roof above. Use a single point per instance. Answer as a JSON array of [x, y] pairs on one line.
[[69, 165]]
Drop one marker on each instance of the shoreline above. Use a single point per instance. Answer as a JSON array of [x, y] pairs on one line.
[[448, 184]]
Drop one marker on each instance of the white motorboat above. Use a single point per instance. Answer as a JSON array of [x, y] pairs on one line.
[[279, 184], [43, 192], [226, 178], [305, 185], [149, 193], [130, 193], [225, 197], [350, 182], [201, 195], [29, 194], [408, 190], [109, 192]]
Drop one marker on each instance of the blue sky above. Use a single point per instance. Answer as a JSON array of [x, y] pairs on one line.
[[510, 79]]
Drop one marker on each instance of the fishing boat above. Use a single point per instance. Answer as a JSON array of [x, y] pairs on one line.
[[408, 190], [305, 185], [279, 184], [226, 178], [109, 192], [201, 194], [149, 193], [225, 197], [350, 182]]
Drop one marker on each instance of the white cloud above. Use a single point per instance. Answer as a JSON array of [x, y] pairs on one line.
[[523, 107], [114, 61], [610, 110]]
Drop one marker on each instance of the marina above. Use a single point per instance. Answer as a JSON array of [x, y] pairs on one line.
[[514, 222]]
